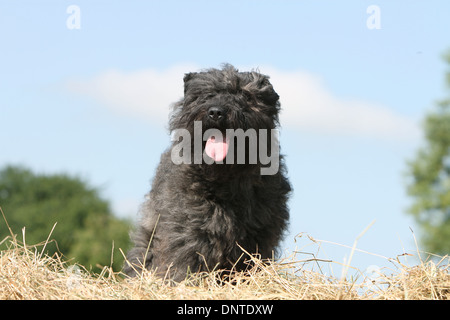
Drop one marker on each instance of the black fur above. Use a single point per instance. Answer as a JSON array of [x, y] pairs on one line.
[[196, 214]]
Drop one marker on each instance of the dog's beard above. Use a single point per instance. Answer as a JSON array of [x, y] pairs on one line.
[[226, 146]]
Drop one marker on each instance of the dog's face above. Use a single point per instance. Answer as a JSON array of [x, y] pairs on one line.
[[225, 100]]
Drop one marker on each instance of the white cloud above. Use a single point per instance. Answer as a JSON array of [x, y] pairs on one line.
[[306, 102], [145, 93]]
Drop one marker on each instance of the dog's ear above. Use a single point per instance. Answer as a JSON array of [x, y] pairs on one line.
[[267, 93], [261, 88], [187, 78]]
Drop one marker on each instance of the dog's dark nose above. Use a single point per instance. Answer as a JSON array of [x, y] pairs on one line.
[[216, 113]]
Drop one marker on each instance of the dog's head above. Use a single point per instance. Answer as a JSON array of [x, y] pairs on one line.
[[227, 99], [220, 101]]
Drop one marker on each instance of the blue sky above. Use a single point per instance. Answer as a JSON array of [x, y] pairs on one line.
[[94, 101]]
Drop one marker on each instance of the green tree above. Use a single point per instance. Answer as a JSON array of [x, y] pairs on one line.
[[429, 176], [85, 229]]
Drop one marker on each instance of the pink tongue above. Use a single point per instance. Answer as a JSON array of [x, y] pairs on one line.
[[216, 148]]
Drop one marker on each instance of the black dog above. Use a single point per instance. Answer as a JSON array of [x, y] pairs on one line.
[[207, 200]]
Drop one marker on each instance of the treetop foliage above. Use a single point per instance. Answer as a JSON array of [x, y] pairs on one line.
[[85, 225], [430, 178]]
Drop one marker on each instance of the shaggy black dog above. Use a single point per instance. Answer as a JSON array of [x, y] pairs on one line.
[[203, 208]]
